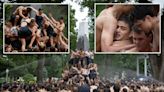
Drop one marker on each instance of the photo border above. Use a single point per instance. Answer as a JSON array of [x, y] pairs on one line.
[[68, 28], [160, 47]]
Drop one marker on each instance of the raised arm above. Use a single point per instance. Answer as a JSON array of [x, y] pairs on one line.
[[35, 10], [109, 27], [53, 20], [60, 28], [50, 22], [20, 13]]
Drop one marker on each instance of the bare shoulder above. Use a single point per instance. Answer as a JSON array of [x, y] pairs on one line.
[[20, 7], [106, 18]]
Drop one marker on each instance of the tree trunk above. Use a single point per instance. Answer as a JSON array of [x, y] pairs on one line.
[[40, 68], [157, 64]]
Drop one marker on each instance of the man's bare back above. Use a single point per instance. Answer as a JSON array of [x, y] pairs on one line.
[[21, 11], [106, 24]]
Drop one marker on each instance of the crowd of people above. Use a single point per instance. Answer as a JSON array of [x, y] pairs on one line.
[[82, 76], [128, 28], [100, 86], [39, 34]]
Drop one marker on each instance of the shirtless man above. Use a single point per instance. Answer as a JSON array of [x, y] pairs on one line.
[[122, 38], [142, 40], [106, 24], [145, 17], [20, 13], [60, 25]]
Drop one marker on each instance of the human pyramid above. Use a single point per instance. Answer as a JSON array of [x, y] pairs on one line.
[[40, 34], [81, 75]]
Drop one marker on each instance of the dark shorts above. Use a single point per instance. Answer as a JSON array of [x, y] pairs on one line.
[[16, 44], [92, 74], [50, 32], [7, 40], [24, 32], [39, 21]]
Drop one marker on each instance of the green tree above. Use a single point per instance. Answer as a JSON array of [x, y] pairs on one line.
[[73, 33]]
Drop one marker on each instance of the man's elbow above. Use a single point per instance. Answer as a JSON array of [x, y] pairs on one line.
[[104, 48]]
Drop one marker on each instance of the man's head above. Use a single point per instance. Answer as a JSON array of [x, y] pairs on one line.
[[61, 20], [143, 16], [28, 9], [142, 39], [116, 88], [123, 28], [40, 11]]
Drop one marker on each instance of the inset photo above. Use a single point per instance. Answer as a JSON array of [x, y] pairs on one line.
[[127, 28], [36, 28]]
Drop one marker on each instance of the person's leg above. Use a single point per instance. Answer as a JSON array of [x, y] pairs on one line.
[[55, 40], [45, 39], [33, 36], [51, 41], [66, 40], [38, 36], [23, 41], [32, 41], [63, 43]]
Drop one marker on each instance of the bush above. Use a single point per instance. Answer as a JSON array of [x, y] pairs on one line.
[[28, 78]]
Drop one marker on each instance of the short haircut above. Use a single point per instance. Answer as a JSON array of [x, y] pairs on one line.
[[107, 6], [40, 9], [140, 12], [61, 18], [126, 19], [116, 88], [139, 31], [29, 9], [125, 90]]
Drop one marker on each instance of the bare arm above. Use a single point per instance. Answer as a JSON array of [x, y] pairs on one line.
[[44, 32], [53, 20], [60, 28], [134, 49], [21, 14], [36, 11], [120, 48], [50, 22], [54, 23], [109, 26]]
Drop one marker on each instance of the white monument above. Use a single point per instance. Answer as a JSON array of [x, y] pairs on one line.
[[83, 29], [83, 36]]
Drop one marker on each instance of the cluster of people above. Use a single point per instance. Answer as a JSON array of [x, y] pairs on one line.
[[60, 85], [128, 28], [82, 76], [39, 34]]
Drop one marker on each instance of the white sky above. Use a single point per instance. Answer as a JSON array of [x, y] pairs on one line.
[[79, 14]]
